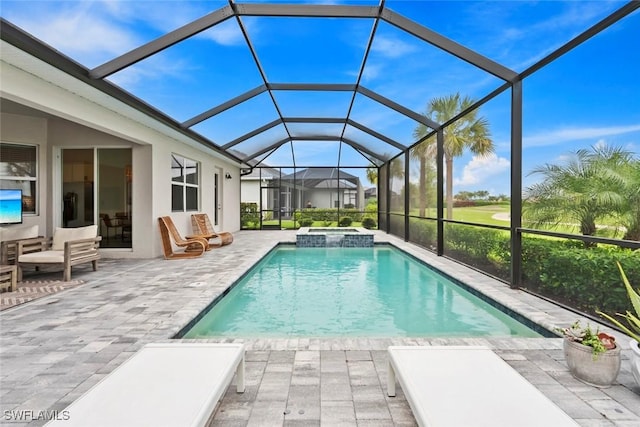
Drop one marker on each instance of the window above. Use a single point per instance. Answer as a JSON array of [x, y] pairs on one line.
[[184, 184], [19, 170]]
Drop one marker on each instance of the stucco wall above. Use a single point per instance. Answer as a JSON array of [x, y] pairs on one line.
[[86, 117], [31, 130]]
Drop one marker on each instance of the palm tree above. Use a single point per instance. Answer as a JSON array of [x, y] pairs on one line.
[[590, 186], [631, 206], [621, 170], [372, 175], [469, 132], [426, 154]]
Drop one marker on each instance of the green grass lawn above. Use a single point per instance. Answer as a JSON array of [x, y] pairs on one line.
[[473, 214]]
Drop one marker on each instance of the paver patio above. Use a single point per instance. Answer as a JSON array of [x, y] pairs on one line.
[[55, 348]]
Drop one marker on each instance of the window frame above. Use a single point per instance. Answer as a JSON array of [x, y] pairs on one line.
[[185, 164], [26, 178]]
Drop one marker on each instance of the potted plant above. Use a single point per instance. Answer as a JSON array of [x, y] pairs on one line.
[[592, 357], [632, 328]]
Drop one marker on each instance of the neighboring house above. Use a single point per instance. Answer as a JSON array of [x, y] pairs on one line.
[[79, 153], [252, 183], [370, 193], [312, 187], [326, 188]]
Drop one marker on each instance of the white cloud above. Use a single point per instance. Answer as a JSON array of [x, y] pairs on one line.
[[391, 47], [228, 33], [481, 168], [559, 136], [86, 37]]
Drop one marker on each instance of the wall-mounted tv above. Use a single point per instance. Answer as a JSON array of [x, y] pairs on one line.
[[10, 206]]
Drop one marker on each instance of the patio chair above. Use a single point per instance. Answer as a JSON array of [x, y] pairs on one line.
[[468, 386], [163, 384], [67, 247], [202, 226], [194, 246], [111, 223], [9, 238]]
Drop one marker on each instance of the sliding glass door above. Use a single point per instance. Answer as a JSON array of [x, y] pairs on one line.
[[96, 189]]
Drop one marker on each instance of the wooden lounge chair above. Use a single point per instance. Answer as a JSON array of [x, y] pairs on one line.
[[452, 386], [194, 247], [67, 247], [202, 227], [172, 384]]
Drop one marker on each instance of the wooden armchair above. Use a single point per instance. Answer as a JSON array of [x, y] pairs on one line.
[[202, 227], [9, 238], [67, 247], [194, 246]]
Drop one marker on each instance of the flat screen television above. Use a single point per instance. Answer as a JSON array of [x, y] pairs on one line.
[[10, 206]]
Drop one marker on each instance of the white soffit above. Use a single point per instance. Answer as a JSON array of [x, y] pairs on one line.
[[122, 115]]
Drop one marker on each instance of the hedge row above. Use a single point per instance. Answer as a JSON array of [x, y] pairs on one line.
[[587, 279], [329, 215]]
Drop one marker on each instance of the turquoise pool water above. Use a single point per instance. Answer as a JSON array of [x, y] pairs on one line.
[[365, 292]]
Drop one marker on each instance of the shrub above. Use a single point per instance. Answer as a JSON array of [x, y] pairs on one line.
[[369, 223], [249, 215], [345, 221], [305, 222], [423, 232], [589, 278]]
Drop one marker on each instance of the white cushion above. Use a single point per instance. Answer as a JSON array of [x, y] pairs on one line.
[[62, 235], [452, 386], [44, 257], [164, 384], [18, 232]]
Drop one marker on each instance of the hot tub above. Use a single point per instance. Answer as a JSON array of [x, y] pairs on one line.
[[352, 237]]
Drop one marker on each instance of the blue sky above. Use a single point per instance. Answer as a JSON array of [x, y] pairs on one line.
[[590, 96]]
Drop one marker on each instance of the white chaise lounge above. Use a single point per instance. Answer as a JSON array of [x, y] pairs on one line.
[[162, 385], [459, 386]]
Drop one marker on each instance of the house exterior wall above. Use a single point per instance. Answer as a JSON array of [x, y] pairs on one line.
[[87, 118], [33, 131], [250, 190]]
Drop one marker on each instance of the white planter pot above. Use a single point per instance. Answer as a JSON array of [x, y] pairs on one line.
[[600, 372], [635, 360]]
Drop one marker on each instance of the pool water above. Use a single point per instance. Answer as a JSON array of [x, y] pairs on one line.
[[337, 292]]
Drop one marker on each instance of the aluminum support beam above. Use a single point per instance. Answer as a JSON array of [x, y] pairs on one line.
[[315, 138], [399, 108], [161, 43], [264, 150], [314, 120], [251, 134], [581, 38], [359, 147], [306, 10], [516, 184], [254, 55], [450, 46], [224, 106], [363, 64], [375, 134], [324, 87], [407, 194], [440, 191]]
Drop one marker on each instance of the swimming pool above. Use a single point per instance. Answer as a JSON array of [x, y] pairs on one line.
[[338, 292]]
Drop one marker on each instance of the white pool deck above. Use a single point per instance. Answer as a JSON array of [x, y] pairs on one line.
[[55, 348]]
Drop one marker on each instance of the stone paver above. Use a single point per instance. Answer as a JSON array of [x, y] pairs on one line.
[[55, 348]]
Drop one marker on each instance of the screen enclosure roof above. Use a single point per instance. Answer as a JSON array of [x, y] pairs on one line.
[[307, 83]]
